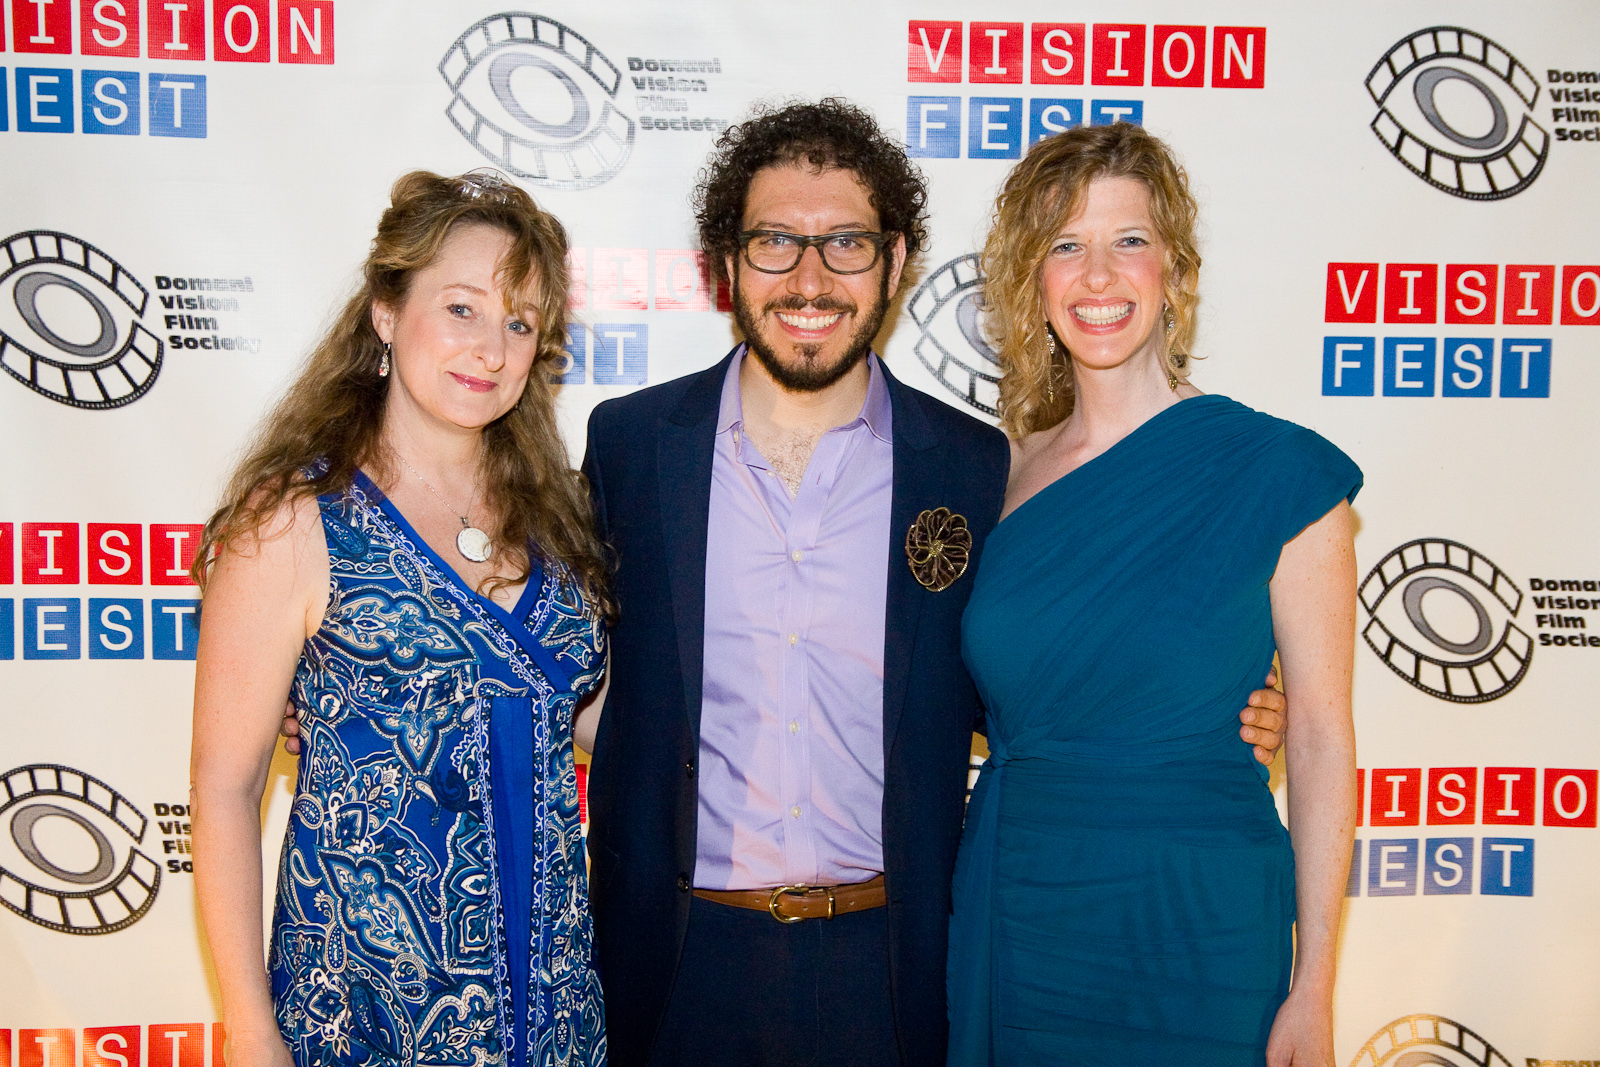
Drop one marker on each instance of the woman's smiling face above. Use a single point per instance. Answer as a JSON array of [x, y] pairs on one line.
[[1102, 280], [459, 356]]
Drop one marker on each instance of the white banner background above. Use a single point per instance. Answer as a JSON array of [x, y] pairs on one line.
[[285, 187]]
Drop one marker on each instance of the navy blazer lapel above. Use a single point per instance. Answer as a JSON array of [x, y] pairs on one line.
[[683, 463], [918, 485]]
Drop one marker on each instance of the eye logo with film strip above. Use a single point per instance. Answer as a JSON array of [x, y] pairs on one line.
[[1436, 609], [61, 835], [1456, 109], [538, 100], [1427, 1041], [948, 309], [69, 322]]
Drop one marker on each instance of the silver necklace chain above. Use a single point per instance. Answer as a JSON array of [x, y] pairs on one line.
[[471, 542]]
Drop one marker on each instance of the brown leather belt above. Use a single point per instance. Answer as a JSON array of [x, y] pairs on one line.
[[794, 903]]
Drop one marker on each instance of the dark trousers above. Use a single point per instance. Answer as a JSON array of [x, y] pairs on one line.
[[754, 992]]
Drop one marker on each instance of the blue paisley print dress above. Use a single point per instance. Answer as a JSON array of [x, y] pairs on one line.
[[432, 896]]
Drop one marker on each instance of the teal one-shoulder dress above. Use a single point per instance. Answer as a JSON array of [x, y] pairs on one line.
[[1125, 889]]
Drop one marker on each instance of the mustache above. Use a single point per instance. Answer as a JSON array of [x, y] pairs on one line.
[[824, 304]]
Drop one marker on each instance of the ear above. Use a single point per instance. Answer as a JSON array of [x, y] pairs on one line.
[[383, 317], [897, 262], [730, 263]]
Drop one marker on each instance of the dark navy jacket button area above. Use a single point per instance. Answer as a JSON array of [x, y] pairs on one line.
[[683, 883], [688, 769]]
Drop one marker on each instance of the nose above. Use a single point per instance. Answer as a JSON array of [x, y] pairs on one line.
[[492, 350], [810, 277], [1098, 269]]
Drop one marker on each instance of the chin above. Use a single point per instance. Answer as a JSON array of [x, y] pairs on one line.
[[803, 369]]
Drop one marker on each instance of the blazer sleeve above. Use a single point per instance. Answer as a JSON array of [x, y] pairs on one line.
[[592, 473]]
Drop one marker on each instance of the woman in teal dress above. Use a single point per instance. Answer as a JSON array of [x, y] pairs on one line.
[[406, 553], [1126, 893]]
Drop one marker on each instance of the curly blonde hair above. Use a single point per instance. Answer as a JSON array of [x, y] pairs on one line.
[[331, 419], [1038, 198]]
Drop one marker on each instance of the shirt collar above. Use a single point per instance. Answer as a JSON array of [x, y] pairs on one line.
[[875, 410]]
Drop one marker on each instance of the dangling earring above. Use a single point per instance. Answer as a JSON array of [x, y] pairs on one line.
[[1171, 324], [383, 367], [1050, 374]]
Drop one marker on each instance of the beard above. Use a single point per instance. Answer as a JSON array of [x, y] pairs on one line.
[[810, 374]]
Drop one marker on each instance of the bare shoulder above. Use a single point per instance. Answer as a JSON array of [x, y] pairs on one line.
[[1032, 466], [282, 564]]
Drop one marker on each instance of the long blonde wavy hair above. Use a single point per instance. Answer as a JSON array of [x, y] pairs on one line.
[[333, 414], [1040, 195]]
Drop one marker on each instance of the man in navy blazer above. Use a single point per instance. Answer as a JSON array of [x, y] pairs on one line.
[[774, 821]]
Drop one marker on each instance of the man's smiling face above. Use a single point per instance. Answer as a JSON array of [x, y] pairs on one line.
[[809, 327]]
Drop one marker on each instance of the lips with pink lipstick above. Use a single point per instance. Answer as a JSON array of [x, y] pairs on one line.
[[471, 384]]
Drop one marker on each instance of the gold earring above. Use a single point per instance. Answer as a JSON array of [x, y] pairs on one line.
[[1050, 372], [383, 367]]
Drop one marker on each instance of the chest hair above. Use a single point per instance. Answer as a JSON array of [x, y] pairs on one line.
[[789, 453]]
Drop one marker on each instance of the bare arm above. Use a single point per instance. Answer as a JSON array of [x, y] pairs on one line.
[[1313, 619], [586, 721], [261, 603]]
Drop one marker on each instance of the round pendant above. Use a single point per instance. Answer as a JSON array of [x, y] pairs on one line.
[[473, 543]]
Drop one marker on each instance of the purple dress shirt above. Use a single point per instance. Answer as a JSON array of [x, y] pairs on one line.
[[791, 720]]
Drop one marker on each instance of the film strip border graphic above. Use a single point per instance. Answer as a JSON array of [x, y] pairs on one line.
[[1454, 42], [123, 375], [953, 282], [1421, 1032], [108, 906], [1465, 682], [587, 159]]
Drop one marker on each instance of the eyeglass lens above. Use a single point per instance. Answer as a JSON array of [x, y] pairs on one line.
[[844, 253]]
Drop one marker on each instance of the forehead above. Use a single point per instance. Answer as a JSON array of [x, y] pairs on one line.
[[800, 195], [1113, 201], [475, 254], [470, 249]]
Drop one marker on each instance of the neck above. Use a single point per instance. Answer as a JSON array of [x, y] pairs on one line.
[[441, 453], [1111, 402], [769, 405]]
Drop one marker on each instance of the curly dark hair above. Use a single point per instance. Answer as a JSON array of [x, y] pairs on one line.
[[829, 133]]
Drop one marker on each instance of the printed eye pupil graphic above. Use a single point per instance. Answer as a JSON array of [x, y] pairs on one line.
[[1417, 588], [1451, 631], [25, 831], [1466, 124], [538, 100], [64, 834], [574, 104], [948, 309], [69, 322], [27, 292], [1427, 91]]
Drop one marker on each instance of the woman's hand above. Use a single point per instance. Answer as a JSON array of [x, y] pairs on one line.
[[1302, 1033]]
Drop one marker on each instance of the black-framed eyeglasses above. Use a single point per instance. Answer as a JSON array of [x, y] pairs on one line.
[[776, 252]]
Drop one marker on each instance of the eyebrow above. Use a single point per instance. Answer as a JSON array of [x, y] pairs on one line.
[[468, 288], [843, 227]]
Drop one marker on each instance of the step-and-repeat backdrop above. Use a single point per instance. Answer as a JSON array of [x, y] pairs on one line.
[[1400, 237]]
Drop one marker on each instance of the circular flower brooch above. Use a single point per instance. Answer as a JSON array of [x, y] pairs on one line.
[[938, 546]]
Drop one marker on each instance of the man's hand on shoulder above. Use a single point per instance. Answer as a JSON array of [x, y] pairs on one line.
[[1265, 720], [290, 729]]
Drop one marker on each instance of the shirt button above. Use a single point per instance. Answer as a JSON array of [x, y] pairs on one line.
[[795, 811], [794, 727], [795, 555], [794, 638]]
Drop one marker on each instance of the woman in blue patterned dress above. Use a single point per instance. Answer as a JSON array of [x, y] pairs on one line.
[[1125, 892], [406, 553]]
